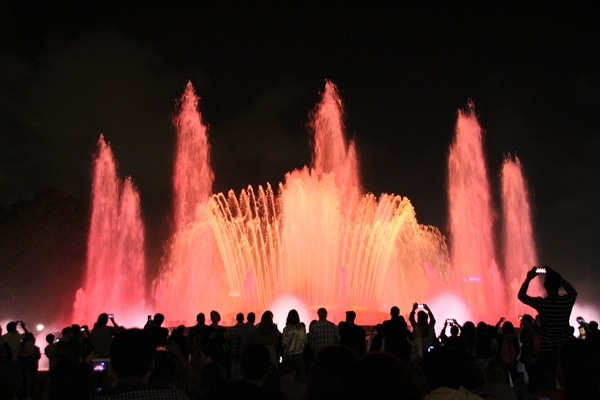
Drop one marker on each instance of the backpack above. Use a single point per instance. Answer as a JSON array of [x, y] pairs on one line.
[[507, 354]]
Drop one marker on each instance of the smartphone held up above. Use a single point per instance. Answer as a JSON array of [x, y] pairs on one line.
[[540, 270]]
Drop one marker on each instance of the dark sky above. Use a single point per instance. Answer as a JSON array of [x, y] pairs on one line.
[[71, 70]]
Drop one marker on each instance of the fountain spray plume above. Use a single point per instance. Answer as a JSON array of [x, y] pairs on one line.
[[519, 247], [476, 274], [193, 176], [115, 269], [331, 152], [188, 280], [318, 241]]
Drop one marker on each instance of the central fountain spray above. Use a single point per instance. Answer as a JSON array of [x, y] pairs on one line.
[[319, 240]]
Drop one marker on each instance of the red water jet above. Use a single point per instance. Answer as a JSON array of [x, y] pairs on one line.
[[114, 279]]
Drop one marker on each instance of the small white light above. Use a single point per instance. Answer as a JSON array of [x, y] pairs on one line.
[[40, 327]]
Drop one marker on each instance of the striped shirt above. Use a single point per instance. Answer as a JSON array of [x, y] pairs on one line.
[[553, 315]]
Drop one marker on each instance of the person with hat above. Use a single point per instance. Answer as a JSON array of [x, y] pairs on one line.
[[352, 335]]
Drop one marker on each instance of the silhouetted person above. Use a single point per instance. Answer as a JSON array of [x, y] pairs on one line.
[[454, 340], [246, 333], [383, 376], [160, 333], [423, 330], [495, 382], [131, 357], [178, 336], [68, 349], [593, 334], [323, 333], [447, 375], [377, 339], [291, 387], [508, 354], [293, 341], [13, 375], [197, 329], [529, 338], [234, 341], [51, 351], [102, 334], [72, 379], [267, 335], [75, 382], [29, 356], [215, 341], [5, 357], [396, 335], [468, 335], [483, 343], [212, 378], [352, 335], [195, 340], [579, 370], [83, 341], [255, 364], [331, 373], [554, 312]]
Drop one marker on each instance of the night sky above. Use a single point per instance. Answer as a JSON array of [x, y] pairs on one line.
[[71, 70]]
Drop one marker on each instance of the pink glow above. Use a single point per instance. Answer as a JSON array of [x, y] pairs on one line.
[[114, 279]]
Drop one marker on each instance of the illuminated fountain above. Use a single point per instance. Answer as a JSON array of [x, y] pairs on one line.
[[476, 275], [519, 247], [114, 279], [316, 240]]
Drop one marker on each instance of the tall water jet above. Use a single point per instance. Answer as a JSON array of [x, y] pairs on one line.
[[114, 279], [193, 176], [188, 280], [475, 272], [518, 245], [331, 154]]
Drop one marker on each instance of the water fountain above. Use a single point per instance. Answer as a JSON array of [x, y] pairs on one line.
[[480, 275], [115, 272], [476, 275], [318, 239], [519, 248]]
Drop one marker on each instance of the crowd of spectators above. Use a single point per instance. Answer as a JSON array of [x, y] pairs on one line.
[[543, 358]]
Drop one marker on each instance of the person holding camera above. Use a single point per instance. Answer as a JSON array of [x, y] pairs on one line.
[[132, 359], [454, 340], [423, 330], [102, 334], [554, 312]]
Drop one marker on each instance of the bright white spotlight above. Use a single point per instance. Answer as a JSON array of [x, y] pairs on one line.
[[40, 327]]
